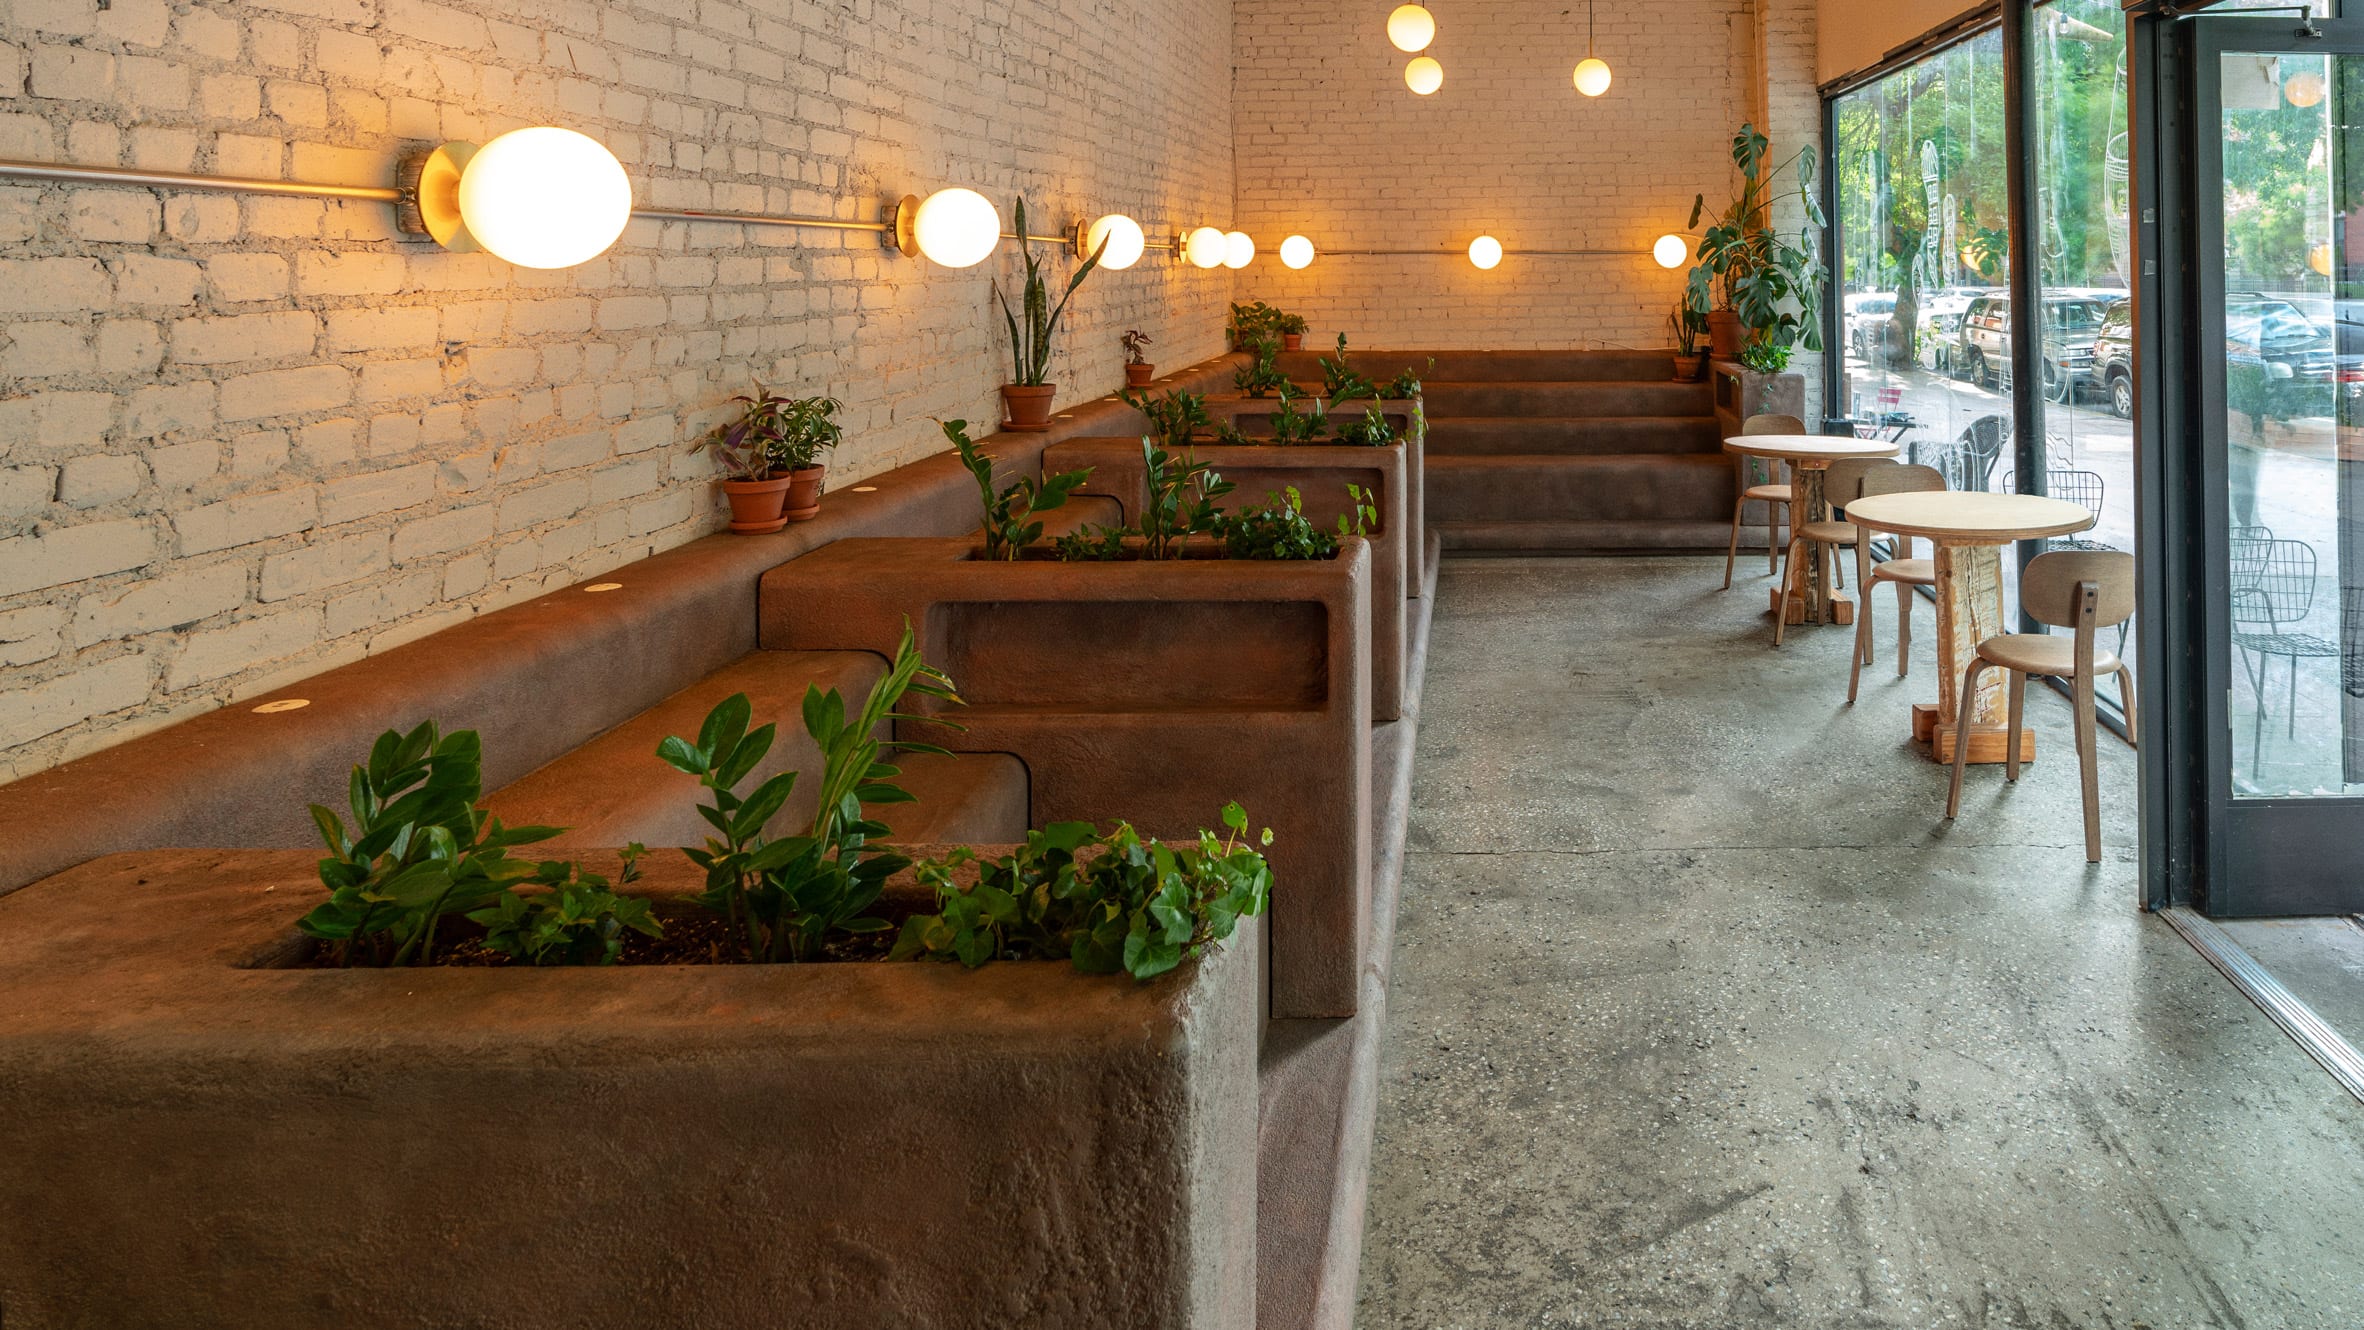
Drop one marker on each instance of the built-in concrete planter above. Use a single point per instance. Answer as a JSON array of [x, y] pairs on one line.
[[1154, 691], [1252, 416], [1320, 473], [195, 1144]]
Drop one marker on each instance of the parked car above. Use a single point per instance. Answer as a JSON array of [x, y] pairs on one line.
[[2113, 358], [1941, 323], [1868, 313], [2071, 321], [2277, 359]]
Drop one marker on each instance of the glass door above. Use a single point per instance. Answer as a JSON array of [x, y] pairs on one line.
[[2279, 240]]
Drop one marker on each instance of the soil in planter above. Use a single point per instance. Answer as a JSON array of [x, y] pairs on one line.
[[693, 936]]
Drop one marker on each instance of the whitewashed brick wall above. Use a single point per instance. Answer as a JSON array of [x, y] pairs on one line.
[[243, 439], [1332, 144]]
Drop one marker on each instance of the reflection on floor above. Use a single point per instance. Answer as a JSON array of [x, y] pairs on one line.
[[1704, 1017], [2321, 962]]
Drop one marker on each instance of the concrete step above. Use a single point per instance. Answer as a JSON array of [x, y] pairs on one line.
[[1494, 436], [1447, 398], [1487, 366], [1640, 488], [612, 790]]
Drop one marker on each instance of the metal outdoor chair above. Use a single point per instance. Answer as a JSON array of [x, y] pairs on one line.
[[2273, 591], [2086, 489], [1968, 463], [1889, 417]]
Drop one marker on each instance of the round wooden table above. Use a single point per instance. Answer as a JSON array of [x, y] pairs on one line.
[[1809, 455], [1969, 529]]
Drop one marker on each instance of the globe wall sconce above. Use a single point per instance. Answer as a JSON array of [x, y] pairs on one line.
[[1296, 252], [1671, 251], [1485, 252]]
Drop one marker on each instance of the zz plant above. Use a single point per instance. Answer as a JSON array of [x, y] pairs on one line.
[[577, 921], [417, 849], [1031, 340], [1009, 524], [1280, 529], [1291, 426], [786, 899], [1174, 417], [1262, 377], [1113, 903]]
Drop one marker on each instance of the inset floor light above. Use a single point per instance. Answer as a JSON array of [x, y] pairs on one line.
[[539, 198], [1239, 250], [1411, 28], [1670, 251], [1424, 76], [1206, 247], [956, 228], [1485, 252], [1592, 72], [1296, 252], [1122, 235]]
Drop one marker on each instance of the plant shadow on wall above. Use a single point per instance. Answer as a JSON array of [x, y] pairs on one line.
[[418, 862], [1760, 293], [1034, 330]]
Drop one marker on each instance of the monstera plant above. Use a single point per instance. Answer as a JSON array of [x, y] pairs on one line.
[[1760, 291]]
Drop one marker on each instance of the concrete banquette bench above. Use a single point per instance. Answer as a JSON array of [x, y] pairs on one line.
[[571, 692]]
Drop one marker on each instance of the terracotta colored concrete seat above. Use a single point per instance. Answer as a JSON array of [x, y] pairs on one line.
[[613, 791]]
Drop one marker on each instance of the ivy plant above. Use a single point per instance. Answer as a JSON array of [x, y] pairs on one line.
[[577, 921], [1109, 903], [1009, 524], [787, 898], [417, 849]]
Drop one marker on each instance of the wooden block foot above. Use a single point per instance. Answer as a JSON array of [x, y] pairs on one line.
[[1842, 609], [1986, 746]]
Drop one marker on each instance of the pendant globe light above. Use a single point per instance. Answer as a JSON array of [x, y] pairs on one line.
[[1592, 73], [1411, 28]]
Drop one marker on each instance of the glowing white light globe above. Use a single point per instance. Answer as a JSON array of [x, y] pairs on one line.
[[1670, 251], [2306, 88], [1296, 251], [545, 198], [1238, 249], [1485, 251], [1592, 76], [1205, 247], [1411, 28], [1424, 76], [957, 228], [1123, 237]]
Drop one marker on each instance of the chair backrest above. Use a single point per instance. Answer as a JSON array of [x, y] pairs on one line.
[[1901, 478], [1771, 424], [2273, 583], [1843, 483], [2048, 589], [1891, 398], [1978, 448]]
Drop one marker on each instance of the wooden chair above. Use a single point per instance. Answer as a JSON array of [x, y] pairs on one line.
[[1775, 497], [1904, 571], [2081, 589], [1820, 540]]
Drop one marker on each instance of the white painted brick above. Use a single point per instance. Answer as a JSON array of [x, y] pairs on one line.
[[128, 347], [279, 392], [52, 286], [74, 554], [67, 700], [377, 492], [32, 634], [323, 564], [218, 652], [237, 278], [273, 335], [144, 279], [95, 480], [175, 601], [26, 490], [245, 519]]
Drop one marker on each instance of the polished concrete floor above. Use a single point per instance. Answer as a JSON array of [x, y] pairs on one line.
[[1703, 1017]]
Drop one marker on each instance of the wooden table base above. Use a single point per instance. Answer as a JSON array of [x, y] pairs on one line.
[[1986, 742]]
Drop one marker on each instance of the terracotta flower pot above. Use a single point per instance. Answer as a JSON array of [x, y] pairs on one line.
[[1292, 341], [1689, 369], [1724, 334], [804, 493], [756, 504], [1138, 376], [1029, 407]]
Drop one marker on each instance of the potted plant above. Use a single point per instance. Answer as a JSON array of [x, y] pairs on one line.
[[1292, 331], [1750, 283], [1027, 395], [757, 497], [1689, 363], [771, 452], [1138, 370]]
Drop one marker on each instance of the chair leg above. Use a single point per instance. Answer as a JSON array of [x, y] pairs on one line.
[[2294, 697], [2089, 766], [2126, 696], [2018, 689], [1773, 539], [1904, 628], [1953, 800], [1789, 574], [1863, 646], [1733, 553]]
